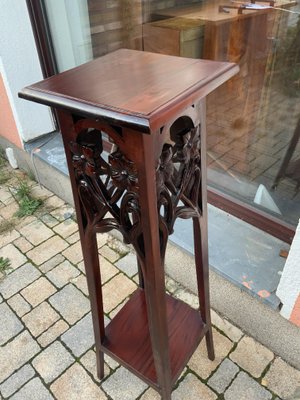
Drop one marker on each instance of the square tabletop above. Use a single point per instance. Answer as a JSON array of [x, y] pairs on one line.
[[131, 87]]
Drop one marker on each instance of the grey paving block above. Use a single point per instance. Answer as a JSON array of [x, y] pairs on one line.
[[10, 325], [19, 305], [16, 353], [18, 279], [246, 388], [128, 264], [223, 376], [71, 303], [15, 381], [192, 388], [80, 337], [76, 384], [123, 385], [51, 362], [33, 390]]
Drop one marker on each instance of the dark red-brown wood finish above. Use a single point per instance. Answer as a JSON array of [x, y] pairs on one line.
[[152, 107]]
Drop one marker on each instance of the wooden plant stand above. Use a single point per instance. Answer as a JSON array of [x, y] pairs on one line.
[[152, 107]]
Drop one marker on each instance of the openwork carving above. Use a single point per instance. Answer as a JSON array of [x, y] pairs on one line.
[[109, 189], [179, 180]]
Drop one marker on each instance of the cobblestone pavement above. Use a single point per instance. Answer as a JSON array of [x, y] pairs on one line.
[[47, 344]]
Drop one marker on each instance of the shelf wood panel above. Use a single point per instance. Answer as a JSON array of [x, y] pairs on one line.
[[127, 337]]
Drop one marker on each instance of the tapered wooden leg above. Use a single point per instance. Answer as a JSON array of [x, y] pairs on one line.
[[154, 270], [88, 244], [91, 261], [201, 261], [140, 274], [201, 242]]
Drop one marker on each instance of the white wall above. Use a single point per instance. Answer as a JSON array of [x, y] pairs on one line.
[[21, 64], [289, 286]]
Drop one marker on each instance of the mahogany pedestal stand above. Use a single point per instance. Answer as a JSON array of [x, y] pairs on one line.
[[152, 107]]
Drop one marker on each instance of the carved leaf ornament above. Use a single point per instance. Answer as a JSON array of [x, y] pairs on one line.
[[109, 188]]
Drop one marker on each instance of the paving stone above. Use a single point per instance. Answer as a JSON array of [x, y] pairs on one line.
[[108, 270], [115, 311], [49, 220], [74, 253], [80, 337], [252, 356], [23, 245], [62, 274], [8, 211], [8, 237], [66, 228], [151, 394], [40, 318], [18, 279], [15, 381], [90, 363], [246, 388], [128, 264], [75, 384], [16, 353], [201, 364], [10, 325], [81, 267], [117, 245], [115, 291], [14, 255], [225, 326], [109, 254], [36, 232], [111, 362], [53, 202], [47, 250], [33, 390], [63, 213], [19, 305], [71, 303], [123, 385], [1, 299], [283, 379], [40, 192], [73, 238], [81, 283], [52, 361], [194, 388], [38, 291], [53, 333], [187, 297], [102, 239], [25, 221], [50, 264], [223, 376], [171, 285], [5, 194]]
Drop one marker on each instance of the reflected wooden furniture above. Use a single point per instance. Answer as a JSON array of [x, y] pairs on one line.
[[174, 36], [241, 36], [153, 108]]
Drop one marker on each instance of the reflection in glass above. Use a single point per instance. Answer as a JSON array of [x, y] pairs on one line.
[[253, 120]]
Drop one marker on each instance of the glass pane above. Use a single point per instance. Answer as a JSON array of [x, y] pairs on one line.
[[253, 120]]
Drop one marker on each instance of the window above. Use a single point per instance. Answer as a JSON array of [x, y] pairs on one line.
[[252, 121]]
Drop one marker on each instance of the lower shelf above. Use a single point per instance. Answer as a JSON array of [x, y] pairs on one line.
[[127, 337]]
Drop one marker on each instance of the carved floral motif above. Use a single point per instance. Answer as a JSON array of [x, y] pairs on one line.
[[178, 177], [109, 191]]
